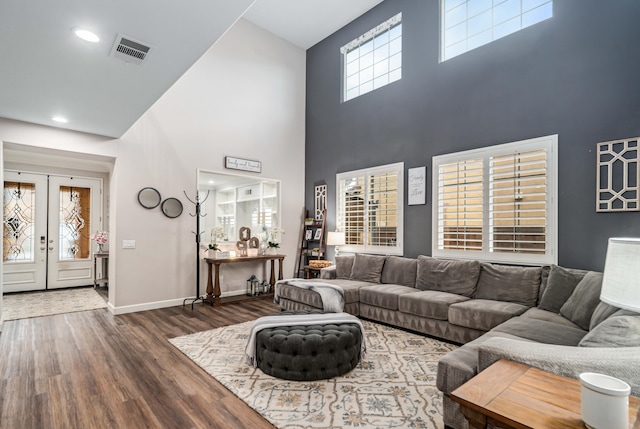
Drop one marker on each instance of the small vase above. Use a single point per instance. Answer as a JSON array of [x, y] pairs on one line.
[[272, 250], [100, 248]]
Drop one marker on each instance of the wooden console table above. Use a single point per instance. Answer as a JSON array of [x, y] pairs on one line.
[[213, 284], [513, 395]]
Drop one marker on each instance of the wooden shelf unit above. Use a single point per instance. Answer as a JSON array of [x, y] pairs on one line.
[[311, 239]]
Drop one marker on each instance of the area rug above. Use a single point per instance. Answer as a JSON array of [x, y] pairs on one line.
[[46, 303], [393, 387]]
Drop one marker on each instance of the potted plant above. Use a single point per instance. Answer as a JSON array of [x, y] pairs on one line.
[[212, 252]]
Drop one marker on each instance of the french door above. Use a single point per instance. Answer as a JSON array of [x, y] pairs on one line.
[[47, 224]]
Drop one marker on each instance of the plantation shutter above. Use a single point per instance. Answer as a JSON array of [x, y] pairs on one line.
[[383, 209], [370, 209], [518, 202], [460, 205], [351, 209], [497, 203]]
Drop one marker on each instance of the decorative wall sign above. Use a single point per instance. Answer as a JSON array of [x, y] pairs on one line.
[[242, 164], [417, 185], [618, 173], [320, 201]]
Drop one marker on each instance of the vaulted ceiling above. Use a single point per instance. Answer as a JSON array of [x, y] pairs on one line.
[[46, 71]]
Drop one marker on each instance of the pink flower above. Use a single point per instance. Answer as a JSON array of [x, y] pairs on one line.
[[100, 237]]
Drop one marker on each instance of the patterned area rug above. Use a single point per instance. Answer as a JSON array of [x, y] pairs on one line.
[[46, 303], [393, 387]]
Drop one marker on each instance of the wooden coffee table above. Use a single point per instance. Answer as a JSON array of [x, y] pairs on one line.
[[513, 395]]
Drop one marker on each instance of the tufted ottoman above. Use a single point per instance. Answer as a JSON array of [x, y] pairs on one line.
[[304, 353]]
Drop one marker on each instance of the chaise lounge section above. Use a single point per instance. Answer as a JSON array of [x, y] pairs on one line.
[[548, 317]]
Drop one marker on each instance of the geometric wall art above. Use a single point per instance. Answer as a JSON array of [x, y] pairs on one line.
[[618, 171], [320, 201]]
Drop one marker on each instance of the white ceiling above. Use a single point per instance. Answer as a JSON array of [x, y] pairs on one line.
[[46, 71]]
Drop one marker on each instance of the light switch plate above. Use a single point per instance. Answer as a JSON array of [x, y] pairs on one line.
[[128, 244]]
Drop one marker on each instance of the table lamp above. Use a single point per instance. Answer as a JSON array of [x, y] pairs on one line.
[[336, 238], [604, 399]]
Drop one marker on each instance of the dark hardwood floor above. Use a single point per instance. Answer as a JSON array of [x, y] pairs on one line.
[[94, 370]]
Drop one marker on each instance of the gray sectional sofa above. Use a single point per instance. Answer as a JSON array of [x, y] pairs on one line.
[[548, 317]]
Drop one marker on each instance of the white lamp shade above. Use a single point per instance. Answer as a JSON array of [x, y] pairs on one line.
[[335, 238], [621, 280]]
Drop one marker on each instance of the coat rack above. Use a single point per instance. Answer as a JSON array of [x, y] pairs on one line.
[[197, 233]]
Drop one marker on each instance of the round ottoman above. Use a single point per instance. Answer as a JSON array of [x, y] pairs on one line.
[[305, 353]]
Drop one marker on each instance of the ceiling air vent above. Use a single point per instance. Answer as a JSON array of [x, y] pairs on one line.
[[129, 50]]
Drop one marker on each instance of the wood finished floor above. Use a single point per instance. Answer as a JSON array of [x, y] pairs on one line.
[[92, 369]]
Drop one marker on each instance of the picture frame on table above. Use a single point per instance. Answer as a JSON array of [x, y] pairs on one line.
[[318, 234]]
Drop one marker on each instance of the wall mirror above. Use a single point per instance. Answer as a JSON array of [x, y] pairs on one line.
[[149, 198], [172, 207], [237, 201]]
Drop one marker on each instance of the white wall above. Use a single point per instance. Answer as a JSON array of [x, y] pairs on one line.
[[245, 97]]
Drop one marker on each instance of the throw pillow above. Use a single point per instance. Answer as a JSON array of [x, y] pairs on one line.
[[617, 331], [367, 268], [512, 284], [583, 301], [344, 264], [399, 271], [560, 286], [601, 313], [457, 277]]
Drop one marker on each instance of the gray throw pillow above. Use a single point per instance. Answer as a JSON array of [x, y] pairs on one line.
[[560, 286], [512, 284], [583, 301], [602, 312], [457, 277], [367, 268], [399, 271], [617, 331], [344, 264]]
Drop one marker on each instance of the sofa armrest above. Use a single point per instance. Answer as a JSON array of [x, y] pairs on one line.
[[328, 272], [620, 362]]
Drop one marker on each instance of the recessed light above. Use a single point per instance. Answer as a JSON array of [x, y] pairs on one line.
[[60, 119], [87, 35]]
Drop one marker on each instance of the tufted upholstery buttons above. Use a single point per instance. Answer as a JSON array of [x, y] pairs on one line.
[[305, 353]]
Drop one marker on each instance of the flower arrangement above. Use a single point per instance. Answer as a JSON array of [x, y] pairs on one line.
[[273, 242], [100, 237]]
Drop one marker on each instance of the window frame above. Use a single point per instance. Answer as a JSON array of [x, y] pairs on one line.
[[491, 29], [369, 36], [550, 256], [398, 249]]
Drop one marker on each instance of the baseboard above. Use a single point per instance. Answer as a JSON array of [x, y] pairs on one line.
[[160, 304], [146, 306]]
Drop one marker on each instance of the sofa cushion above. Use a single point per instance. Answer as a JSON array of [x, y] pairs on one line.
[[457, 277], [344, 265], [399, 271], [549, 316], [367, 268], [483, 314], [583, 301], [541, 331], [432, 304], [384, 296], [560, 286], [461, 365], [512, 284], [618, 331], [544, 277]]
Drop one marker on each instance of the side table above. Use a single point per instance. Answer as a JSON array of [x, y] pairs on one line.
[[513, 395], [104, 261], [311, 272]]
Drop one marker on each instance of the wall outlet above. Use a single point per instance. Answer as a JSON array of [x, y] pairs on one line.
[[128, 244]]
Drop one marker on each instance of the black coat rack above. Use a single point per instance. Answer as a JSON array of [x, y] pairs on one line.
[[197, 233]]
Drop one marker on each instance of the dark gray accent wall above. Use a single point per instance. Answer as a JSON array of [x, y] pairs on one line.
[[576, 75]]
